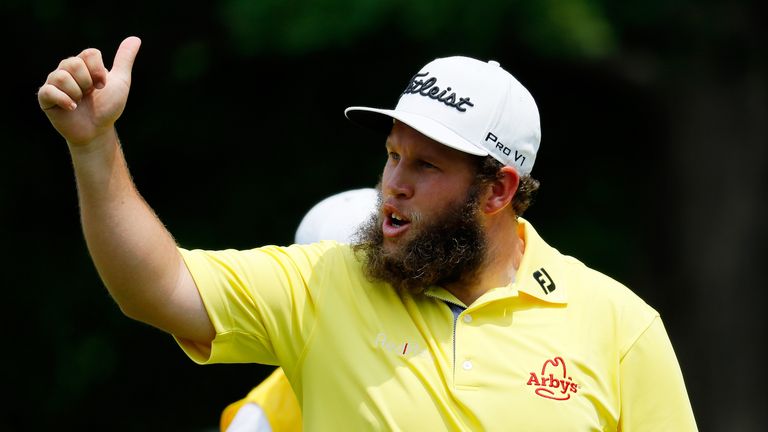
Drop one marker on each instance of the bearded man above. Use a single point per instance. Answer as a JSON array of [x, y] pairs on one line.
[[448, 313]]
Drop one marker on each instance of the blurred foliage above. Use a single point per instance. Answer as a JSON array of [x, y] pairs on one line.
[[191, 60], [553, 27]]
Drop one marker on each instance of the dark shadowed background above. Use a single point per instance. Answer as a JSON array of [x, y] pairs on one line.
[[653, 166]]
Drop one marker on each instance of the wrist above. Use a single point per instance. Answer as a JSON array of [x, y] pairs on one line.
[[106, 141]]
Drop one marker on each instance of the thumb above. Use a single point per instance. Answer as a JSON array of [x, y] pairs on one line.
[[125, 56]]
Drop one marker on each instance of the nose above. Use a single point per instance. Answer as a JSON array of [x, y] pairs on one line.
[[396, 183]]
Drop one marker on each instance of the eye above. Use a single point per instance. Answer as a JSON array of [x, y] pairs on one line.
[[427, 165], [394, 156]]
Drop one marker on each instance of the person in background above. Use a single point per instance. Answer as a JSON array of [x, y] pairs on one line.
[[272, 406]]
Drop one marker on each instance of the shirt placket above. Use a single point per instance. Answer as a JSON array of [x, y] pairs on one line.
[[464, 356]]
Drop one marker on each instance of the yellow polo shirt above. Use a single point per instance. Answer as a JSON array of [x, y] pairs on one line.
[[562, 348]]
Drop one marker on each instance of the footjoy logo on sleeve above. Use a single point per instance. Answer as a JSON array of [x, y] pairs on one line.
[[553, 382]]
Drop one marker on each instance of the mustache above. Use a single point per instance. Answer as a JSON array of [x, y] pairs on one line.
[[414, 216]]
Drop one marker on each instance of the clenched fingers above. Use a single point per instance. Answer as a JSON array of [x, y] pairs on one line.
[[95, 65], [60, 89], [74, 78]]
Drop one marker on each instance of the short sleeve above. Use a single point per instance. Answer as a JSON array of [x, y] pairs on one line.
[[259, 302], [653, 394]]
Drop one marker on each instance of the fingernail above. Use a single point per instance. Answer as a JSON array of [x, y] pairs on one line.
[[72, 106]]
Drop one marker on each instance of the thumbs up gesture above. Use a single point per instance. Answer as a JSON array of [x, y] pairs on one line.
[[83, 99]]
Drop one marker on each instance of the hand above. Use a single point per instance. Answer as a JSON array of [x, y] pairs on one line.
[[82, 99]]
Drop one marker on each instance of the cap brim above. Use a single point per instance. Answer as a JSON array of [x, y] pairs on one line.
[[381, 120]]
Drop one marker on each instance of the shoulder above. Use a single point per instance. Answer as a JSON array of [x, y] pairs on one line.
[[311, 266], [593, 299], [544, 269], [324, 254], [605, 299], [593, 284]]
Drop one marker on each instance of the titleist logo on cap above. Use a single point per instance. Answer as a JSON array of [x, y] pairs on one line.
[[500, 120], [430, 89]]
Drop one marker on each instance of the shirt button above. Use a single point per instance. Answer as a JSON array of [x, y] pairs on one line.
[[467, 318], [467, 365]]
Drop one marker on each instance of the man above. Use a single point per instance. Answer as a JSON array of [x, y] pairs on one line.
[[449, 312], [272, 406]]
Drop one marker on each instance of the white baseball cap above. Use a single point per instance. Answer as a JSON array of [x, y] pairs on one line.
[[472, 106], [337, 217]]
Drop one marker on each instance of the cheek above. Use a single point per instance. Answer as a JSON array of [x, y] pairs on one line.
[[442, 192], [435, 203]]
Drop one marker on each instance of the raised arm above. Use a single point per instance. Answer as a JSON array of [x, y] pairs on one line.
[[134, 254]]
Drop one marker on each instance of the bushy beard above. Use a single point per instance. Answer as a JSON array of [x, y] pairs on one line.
[[448, 249]]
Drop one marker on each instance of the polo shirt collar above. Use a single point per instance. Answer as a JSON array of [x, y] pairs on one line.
[[541, 273]]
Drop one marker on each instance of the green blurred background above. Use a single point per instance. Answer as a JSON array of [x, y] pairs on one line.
[[653, 167]]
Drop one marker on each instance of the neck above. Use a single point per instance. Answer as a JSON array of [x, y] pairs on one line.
[[500, 266]]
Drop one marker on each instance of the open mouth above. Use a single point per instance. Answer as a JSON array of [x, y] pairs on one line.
[[395, 224], [398, 220]]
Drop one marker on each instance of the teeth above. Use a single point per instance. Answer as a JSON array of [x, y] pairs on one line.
[[397, 217]]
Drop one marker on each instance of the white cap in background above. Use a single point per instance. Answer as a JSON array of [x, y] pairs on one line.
[[337, 217]]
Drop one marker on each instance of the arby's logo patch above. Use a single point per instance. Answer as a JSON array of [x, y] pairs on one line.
[[553, 382]]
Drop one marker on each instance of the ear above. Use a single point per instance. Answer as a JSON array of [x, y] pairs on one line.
[[501, 191]]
